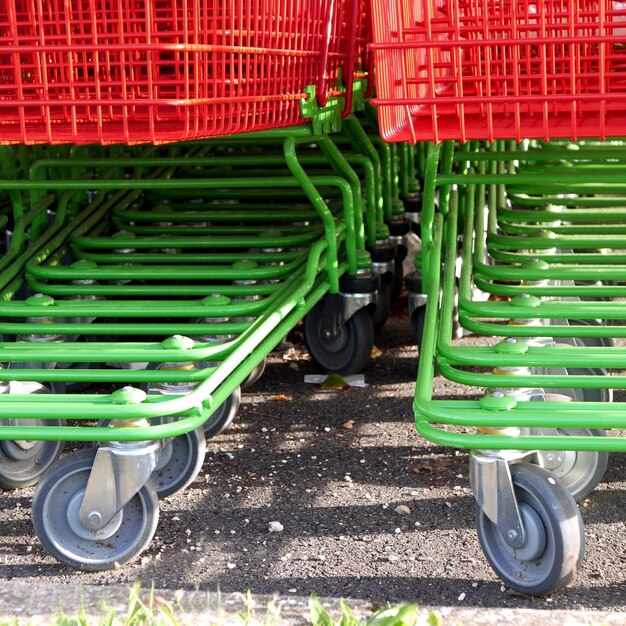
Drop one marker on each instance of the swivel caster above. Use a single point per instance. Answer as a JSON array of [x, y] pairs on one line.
[[554, 536], [346, 351], [383, 303], [57, 523], [179, 461], [22, 462], [398, 278], [417, 305]]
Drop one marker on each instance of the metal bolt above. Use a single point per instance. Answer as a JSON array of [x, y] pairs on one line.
[[497, 394], [128, 388], [512, 534], [510, 340], [327, 334], [525, 295], [550, 458], [95, 518]]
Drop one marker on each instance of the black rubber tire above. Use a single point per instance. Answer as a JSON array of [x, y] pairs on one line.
[[398, 279], [383, 304], [59, 492], [183, 459], [348, 352], [548, 509], [591, 342], [418, 319]]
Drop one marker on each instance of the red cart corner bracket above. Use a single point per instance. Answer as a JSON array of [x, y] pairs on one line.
[[134, 71], [500, 69]]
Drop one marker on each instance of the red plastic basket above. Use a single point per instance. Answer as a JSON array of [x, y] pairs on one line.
[[500, 69], [134, 71]]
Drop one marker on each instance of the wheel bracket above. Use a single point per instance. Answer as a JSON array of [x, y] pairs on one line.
[[490, 479], [119, 471], [339, 308]]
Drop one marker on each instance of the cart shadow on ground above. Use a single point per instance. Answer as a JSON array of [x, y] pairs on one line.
[[332, 467]]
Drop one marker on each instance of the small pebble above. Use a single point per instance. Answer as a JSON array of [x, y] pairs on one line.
[[462, 597], [403, 510], [397, 531], [276, 527], [230, 565]]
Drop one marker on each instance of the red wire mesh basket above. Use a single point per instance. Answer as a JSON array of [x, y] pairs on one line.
[[135, 71], [500, 69]]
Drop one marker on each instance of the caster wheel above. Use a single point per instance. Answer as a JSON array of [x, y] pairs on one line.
[[381, 313], [222, 418], [591, 342], [554, 547], [179, 463], [398, 278], [349, 351], [590, 395], [578, 394], [254, 375], [579, 471], [23, 462], [55, 513], [418, 319]]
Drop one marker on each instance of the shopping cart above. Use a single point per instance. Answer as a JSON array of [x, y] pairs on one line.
[[144, 286], [130, 71], [526, 240]]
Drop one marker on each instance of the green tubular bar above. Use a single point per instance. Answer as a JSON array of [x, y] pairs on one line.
[[290, 283], [484, 179]]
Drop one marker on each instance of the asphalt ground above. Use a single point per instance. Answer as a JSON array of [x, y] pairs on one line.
[[331, 467]]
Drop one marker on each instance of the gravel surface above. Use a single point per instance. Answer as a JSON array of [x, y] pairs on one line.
[[333, 492]]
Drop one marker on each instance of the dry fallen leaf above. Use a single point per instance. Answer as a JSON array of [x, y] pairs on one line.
[[433, 465], [349, 425], [376, 352], [292, 354], [284, 397], [335, 381]]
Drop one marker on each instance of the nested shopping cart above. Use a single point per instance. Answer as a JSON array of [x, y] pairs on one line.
[[142, 286], [523, 238]]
